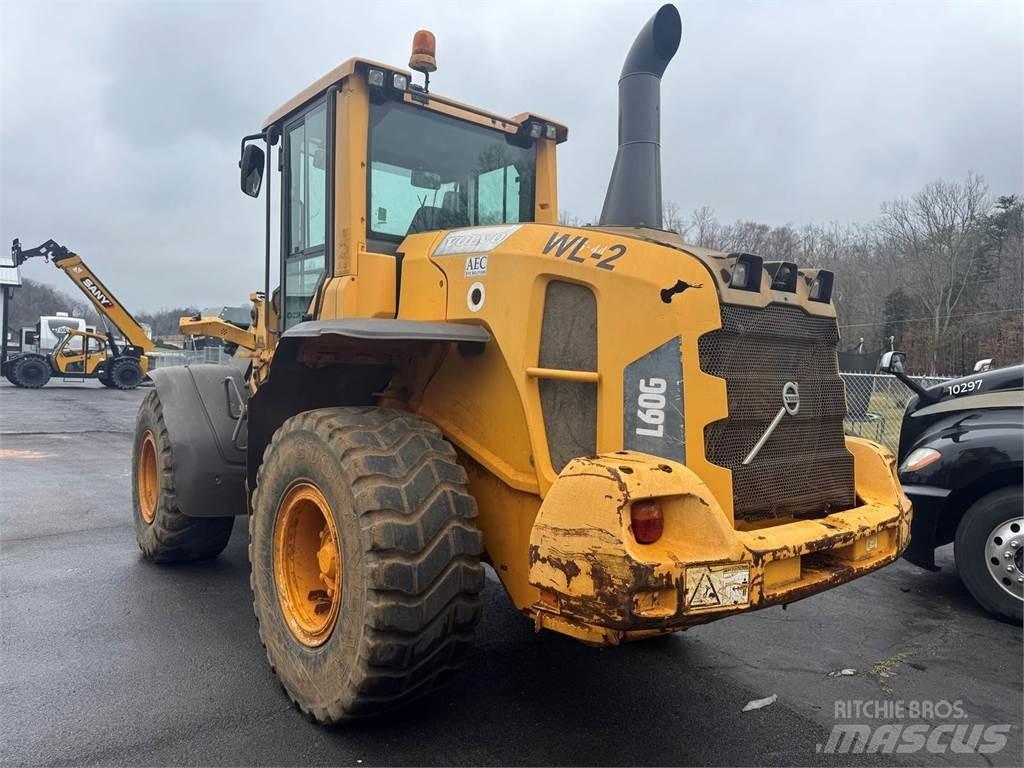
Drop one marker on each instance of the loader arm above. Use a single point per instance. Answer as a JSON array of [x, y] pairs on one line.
[[218, 329], [89, 284]]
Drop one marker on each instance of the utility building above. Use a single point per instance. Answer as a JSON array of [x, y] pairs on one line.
[[10, 278]]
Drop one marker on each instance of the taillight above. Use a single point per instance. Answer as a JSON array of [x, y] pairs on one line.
[[647, 521]]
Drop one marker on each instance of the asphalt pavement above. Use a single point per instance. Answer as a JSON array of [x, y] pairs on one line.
[[109, 659]]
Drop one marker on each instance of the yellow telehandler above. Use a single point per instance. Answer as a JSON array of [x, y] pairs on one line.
[[638, 435], [83, 354]]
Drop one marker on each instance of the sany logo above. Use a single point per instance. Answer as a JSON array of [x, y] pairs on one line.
[[99, 295]]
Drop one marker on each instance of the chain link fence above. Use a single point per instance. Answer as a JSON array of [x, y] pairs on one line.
[[162, 359], [875, 403]]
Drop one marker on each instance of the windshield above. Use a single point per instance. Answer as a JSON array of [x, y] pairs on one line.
[[430, 172]]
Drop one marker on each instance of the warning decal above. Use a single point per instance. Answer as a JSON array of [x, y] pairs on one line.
[[717, 586], [705, 593]]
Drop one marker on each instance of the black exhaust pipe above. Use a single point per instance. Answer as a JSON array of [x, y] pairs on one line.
[[634, 191]]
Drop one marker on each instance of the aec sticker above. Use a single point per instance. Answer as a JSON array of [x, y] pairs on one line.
[[476, 265]]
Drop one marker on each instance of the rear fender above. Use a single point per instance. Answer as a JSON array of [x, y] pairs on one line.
[[201, 406], [357, 369]]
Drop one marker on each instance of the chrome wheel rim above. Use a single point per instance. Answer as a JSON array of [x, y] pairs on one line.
[[1004, 556]]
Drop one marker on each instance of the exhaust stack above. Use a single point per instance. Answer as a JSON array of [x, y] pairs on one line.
[[634, 190]]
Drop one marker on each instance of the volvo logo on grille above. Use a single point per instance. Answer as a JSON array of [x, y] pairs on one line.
[[791, 397], [790, 405]]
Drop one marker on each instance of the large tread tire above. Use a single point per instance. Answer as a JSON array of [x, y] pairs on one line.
[[172, 536], [410, 560], [969, 550], [30, 372], [125, 373]]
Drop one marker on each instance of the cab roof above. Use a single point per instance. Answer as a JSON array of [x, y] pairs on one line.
[[348, 67]]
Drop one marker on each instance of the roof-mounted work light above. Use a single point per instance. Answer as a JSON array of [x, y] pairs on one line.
[[821, 286], [783, 274], [746, 272]]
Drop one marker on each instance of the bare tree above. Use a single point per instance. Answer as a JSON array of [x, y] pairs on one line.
[[936, 234], [703, 227], [672, 217], [567, 219]]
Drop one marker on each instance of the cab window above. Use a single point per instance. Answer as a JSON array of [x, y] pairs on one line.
[[306, 169], [430, 172]]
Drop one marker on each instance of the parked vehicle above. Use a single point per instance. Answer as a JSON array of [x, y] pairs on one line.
[[80, 353], [448, 376], [51, 329], [960, 460]]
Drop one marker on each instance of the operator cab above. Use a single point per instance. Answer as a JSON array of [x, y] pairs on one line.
[[368, 158]]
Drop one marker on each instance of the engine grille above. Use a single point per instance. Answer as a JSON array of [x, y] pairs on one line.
[[804, 468]]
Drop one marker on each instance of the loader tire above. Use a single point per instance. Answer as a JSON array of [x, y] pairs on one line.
[[163, 532], [125, 373], [395, 616], [30, 372]]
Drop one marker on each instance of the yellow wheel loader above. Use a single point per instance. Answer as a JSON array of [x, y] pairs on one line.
[[637, 435], [83, 354]]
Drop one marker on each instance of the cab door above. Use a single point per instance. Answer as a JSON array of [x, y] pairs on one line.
[[95, 353], [304, 212], [69, 354]]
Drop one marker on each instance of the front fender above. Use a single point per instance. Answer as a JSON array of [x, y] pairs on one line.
[[975, 446], [209, 468]]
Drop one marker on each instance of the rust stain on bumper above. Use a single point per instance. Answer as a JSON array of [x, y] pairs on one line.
[[610, 589]]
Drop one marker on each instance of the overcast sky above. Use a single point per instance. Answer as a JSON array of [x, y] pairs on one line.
[[120, 121]]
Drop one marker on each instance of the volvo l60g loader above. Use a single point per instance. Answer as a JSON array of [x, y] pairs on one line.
[[637, 435]]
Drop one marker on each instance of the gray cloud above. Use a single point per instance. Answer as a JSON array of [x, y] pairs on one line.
[[120, 121]]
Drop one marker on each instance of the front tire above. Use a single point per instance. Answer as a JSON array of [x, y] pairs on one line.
[[989, 547], [163, 532], [365, 560]]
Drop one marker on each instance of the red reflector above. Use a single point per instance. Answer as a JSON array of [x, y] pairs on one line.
[[647, 521]]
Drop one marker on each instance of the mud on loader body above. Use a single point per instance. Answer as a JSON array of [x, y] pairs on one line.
[[638, 435]]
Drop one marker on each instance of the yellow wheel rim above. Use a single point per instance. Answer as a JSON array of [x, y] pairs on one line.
[[149, 478], [307, 564]]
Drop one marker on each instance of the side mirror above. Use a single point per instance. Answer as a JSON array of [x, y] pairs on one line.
[[252, 164], [892, 362]]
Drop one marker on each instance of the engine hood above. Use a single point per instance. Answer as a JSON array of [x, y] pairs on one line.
[[967, 390], [978, 396]]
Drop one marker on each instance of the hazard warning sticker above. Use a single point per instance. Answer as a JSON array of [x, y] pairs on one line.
[[717, 586]]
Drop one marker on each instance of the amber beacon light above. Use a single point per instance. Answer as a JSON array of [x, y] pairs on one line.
[[424, 48]]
